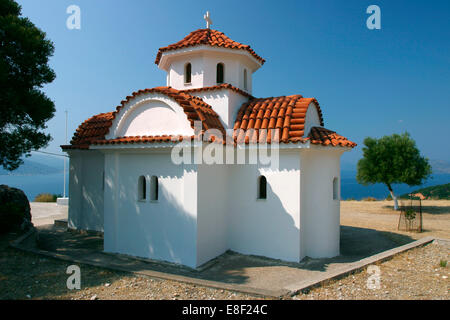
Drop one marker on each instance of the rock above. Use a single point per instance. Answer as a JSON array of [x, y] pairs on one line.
[[94, 297], [15, 211], [107, 284]]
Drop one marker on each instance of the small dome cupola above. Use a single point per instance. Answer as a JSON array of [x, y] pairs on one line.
[[206, 58]]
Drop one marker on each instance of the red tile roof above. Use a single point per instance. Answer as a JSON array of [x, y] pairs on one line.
[[279, 118], [207, 37], [90, 130], [219, 87], [275, 119], [325, 137], [97, 127]]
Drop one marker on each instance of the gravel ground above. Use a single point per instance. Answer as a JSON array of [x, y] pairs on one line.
[[415, 274], [28, 276]]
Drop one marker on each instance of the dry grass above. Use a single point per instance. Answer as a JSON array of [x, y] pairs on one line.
[[380, 215]]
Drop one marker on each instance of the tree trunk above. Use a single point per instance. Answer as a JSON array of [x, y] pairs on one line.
[[393, 197]]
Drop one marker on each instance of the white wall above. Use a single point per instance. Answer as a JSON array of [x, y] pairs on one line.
[[226, 103], [320, 222], [213, 211], [150, 114], [204, 67], [86, 190], [164, 230], [312, 118], [266, 227]]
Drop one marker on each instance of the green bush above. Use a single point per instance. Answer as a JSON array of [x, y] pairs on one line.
[[45, 197], [410, 214]]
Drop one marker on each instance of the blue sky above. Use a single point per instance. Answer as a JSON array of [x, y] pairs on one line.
[[368, 82]]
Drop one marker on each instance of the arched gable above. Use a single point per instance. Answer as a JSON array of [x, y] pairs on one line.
[[312, 118], [150, 114]]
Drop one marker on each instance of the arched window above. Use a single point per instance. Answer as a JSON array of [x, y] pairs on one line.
[[335, 189], [187, 73], [154, 188], [142, 188], [262, 187], [245, 79], [220, 73]]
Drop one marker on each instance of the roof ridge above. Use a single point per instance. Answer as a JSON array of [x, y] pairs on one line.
[[218, 87], [209, 37]]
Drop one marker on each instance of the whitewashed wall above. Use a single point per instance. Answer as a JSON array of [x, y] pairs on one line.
[[312, 118], [320, 213], [226, 103], [213, 212], [204, 67], [86, 190], [266, 227], [164, 230], [150, 114]]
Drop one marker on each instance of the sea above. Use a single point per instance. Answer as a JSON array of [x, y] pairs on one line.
[[34, 184]]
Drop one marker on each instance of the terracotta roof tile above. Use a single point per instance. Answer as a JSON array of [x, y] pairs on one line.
[[207, 37], [97, 127], [278, 118], [219, 87], [326, 137]]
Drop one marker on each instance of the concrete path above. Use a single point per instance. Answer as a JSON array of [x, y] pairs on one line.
[[44, 213]]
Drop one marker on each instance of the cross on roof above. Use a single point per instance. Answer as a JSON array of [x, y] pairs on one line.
[[207, 19]]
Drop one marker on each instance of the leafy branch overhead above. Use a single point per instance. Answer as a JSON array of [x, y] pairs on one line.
[[24, 69]]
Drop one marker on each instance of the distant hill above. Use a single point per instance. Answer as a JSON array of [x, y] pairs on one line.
[[441, 191], [31, 168], [440, 166]]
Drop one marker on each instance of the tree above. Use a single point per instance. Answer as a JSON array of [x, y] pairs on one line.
[[24, 69], [392, 159]]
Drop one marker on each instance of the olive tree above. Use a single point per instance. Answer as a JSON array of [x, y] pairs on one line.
[[392, 159]]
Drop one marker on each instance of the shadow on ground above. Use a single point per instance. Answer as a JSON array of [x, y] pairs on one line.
[[427, 209], [231, 268]]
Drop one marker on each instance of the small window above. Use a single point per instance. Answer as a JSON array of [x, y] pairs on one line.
[[245, 79], [187, 73], [142, 188], [335, 189], [220, 72], [262, 187], [154, 188]]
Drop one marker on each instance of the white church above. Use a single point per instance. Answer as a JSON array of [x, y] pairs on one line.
[[125, 183]]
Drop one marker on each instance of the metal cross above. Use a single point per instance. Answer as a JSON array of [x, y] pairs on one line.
[[207, 19]]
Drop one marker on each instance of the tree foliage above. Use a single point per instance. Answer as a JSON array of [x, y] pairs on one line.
[[24, 69], [392, 159]]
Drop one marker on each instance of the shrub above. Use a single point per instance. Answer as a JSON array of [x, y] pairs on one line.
[[45, 197], [443, 263], [410, 214], [369, 199]]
